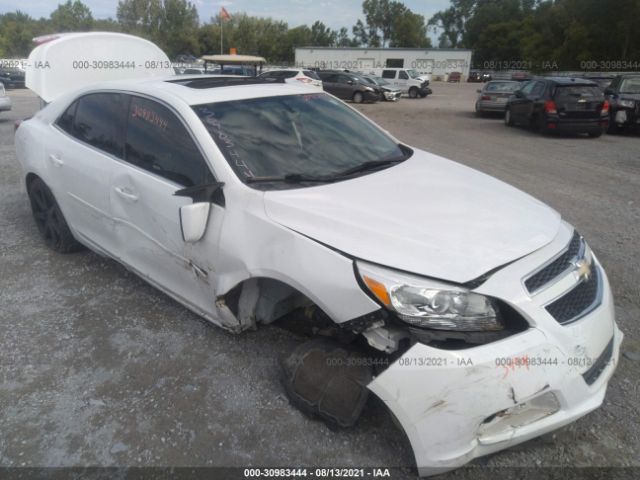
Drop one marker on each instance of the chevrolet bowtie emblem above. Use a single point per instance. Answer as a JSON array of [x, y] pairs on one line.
[[582, 269]]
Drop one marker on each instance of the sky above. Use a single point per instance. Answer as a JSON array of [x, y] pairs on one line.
[[333, 13]]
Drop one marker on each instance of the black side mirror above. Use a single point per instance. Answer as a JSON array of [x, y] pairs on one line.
[[519, 93], [350, 82], [609, 91]]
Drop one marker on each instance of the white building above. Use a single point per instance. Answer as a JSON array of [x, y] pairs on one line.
[[436, 61]]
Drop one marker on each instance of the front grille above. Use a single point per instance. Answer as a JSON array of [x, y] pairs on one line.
[[591, 375], [557, 267], [578, 302]]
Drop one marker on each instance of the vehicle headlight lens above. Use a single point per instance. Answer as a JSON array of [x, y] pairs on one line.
[[627, 103], [426, 303]]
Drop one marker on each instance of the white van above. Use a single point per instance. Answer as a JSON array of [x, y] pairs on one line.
[[408, 80]]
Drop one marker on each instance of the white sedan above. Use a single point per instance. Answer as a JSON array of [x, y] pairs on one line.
[[478, 316], [294, 75]]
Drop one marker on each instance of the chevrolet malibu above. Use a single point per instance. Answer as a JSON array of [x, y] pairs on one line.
[[473, 311]]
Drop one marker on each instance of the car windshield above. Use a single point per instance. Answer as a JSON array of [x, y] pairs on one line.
[[381, 81], [499, 87], [311, 135], [370, 80], [413, 73], [630, 85]]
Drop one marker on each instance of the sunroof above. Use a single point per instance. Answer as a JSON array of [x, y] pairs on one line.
[[213, 82]]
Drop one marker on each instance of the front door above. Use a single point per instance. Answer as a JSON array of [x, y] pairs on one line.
[[161, 157]]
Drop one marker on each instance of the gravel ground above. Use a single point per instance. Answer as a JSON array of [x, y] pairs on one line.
[[100, 369]]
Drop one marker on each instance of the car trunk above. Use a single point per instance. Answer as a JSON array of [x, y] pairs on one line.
[[578, 101]]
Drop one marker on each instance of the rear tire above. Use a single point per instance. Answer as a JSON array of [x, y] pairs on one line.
[[357, 97], [508, 120], [49, 219], [413, 92], [596, 134], [613, 127]]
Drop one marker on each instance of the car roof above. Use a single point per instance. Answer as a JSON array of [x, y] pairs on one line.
[[570, 80], [222, 88]]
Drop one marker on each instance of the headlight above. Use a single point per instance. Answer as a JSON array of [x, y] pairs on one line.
[[627, 103], [427, 303]]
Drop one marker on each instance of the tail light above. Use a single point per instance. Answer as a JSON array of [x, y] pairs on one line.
[[304, 80], [550, 107], [605, 108]]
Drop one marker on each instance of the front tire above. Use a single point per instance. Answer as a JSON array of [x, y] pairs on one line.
[[50, 220], [357, 97], [413, 92]]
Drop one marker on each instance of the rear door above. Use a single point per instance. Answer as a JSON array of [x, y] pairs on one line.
[[161, 157], [89, 141], [521, 104], [578, 102]]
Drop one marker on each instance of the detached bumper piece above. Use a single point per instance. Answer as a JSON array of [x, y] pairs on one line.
[[326, 380]]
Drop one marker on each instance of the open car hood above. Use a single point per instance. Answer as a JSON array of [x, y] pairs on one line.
[[427, 215]]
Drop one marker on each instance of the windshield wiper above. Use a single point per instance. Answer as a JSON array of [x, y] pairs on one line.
[[289, 178], [366, 166]]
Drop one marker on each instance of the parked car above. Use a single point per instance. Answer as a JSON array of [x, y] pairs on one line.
[[454, 77], [389, 92], [294, 75], [559, 104], [5, 101], [11, 77], [408, 80], [247, 201], [349, 86], [476, 76], [624, 98], [494, 95]]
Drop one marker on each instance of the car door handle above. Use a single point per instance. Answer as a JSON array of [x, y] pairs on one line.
[[126, 194], [56, 160]]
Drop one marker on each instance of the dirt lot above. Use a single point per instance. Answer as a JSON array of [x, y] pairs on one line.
[[98, 368]]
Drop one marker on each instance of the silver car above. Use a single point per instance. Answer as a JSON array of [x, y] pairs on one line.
[[5, 101], [494, 95]]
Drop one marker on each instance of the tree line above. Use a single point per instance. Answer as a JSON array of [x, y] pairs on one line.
[[174, 25], [503, 34], [544, 35]]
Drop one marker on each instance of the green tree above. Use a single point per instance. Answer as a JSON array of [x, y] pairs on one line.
[[16, 32], [321, 35], [72, 17]]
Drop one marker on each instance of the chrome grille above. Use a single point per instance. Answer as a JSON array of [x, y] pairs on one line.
[[558, 266], [579, 301]]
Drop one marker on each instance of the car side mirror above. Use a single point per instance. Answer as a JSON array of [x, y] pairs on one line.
[[193, 221], [194, 217], [609, 91], [350, 82], [519, 93]]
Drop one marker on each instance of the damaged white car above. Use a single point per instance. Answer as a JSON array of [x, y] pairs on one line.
[[478, 316]]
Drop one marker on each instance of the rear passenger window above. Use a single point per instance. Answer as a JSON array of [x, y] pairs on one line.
[[389, 74], [98, 121], [157, 141], [311, 74], [65, 121]]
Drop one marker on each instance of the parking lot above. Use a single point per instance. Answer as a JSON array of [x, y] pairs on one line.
[[98, 368]]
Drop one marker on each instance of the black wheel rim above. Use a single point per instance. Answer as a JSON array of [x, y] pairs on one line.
[[46, 215]]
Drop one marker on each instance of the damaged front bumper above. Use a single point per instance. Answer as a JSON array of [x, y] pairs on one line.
[[456, 405]]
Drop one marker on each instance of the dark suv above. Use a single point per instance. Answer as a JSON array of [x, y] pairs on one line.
[[623, 95], [559, 104], [349, 86]]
